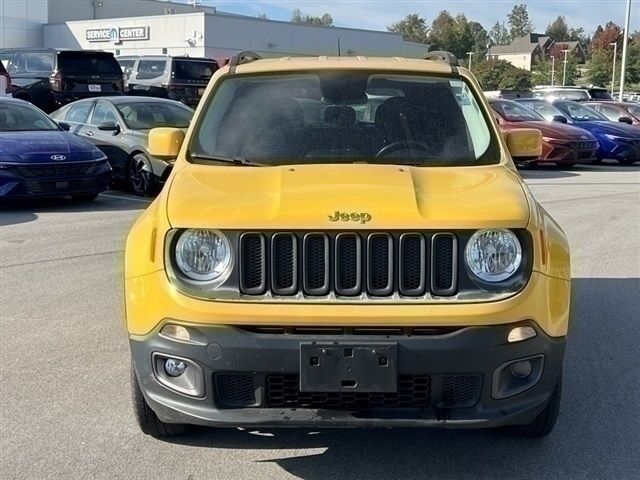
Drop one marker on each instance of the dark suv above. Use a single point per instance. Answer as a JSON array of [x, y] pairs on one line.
[[50, 78], [178, 78]]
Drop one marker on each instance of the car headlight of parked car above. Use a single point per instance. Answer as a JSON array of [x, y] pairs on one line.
[[493, 255], [203, 255]]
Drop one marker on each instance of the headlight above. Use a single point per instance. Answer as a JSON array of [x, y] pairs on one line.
[[203, 255], [493, 255], [616, 138], [553, 140]]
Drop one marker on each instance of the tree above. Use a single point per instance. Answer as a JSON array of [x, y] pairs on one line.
[[633, 59], [519, 22], [499, 34], [572, 64], [501, 75], [603, 37], [600, 67], [298, 17], [412, 27], [481, 39], [541, 72], [558, 30], [451, 34]]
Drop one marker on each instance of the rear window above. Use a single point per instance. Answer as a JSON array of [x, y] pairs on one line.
[[148, 69], [600, 94], [28, 62], [193, 70], [87, 64]]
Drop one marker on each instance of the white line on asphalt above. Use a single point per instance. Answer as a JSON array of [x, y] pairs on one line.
[[122, 197]]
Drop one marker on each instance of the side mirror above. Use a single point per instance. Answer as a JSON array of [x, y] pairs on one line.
[[524, 143], [626, 120], [109, 127], [559, 119], [65, 126], [165, 142]]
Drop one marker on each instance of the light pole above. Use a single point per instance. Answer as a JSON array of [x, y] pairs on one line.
[[553, 69], [470, 55], [624, 49], [613, 74], [564, 70]]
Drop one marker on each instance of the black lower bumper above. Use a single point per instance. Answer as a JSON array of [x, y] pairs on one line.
[[15, 187], [450, 379]]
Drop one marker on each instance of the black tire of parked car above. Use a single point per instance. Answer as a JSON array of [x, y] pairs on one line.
[[84, 197], [627, 161], [147, 420], [544, 422], [139, 175]]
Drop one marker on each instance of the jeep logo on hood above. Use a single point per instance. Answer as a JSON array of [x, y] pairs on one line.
[[363, 217]]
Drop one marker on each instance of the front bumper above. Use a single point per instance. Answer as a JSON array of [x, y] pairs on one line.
[[561, 154], [14, 185], [455, 368]]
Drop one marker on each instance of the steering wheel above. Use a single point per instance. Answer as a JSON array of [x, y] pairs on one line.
[[402, 145]]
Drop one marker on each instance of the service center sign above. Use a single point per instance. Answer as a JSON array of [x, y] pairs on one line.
[[117, 34]]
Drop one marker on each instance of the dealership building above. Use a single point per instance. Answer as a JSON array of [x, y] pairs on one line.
[[162, 27]]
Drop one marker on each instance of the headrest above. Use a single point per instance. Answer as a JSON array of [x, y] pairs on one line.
[[340, 116]]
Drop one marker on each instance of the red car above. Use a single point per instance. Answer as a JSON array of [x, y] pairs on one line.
[[562, 144], [627, 112]]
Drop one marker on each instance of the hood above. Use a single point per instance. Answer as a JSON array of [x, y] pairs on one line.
[[612, 128], [304, 197], [38, 147], [556, 130]]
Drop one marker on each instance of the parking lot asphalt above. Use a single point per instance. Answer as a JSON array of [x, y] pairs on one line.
[[64, 371]]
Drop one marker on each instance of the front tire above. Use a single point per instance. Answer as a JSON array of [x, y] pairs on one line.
[[146, 418], [627, 161], [140, 177], [544, 422]]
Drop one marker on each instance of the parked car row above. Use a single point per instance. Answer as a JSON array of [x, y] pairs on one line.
[[52, 78], [573, 132], [91, 143]]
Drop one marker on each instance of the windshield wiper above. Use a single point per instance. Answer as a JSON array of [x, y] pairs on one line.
[[237, 160]]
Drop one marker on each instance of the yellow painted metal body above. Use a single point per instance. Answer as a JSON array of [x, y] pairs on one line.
[[303, 197]]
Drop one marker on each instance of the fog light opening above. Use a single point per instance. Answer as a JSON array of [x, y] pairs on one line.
[[519, 334], [174, 368], [176, 332], [521, 369]]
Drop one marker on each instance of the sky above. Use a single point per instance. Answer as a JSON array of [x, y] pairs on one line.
[[378, 14]]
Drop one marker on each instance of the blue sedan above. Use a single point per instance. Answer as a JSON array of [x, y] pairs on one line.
[[617, 140], [38, 158]]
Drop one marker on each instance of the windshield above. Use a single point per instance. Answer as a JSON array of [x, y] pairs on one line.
[[512, 112], [344, 117], [88, 64], [18, 117], [579, 112], [634, 110], [18, 63], [545, 109], [147, 115], [194, 70]]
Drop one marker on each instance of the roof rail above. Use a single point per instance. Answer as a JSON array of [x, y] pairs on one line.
[[240, 58], [442, 56]]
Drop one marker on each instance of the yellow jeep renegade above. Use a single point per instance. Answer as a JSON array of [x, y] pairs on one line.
[[346, 242]]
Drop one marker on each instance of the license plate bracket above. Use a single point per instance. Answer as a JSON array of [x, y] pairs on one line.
[[348, 367]]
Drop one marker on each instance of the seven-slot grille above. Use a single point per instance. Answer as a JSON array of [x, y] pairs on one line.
[[348, 264]]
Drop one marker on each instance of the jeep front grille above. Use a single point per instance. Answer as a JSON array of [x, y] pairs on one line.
[[348, 264]]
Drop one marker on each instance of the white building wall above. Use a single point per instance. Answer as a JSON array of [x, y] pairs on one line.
[[21, 22], [520, 60], [169, 32]]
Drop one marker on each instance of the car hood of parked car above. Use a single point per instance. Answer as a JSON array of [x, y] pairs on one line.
[[43, 146], [612, 128], [306, 196], [556, 130]]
